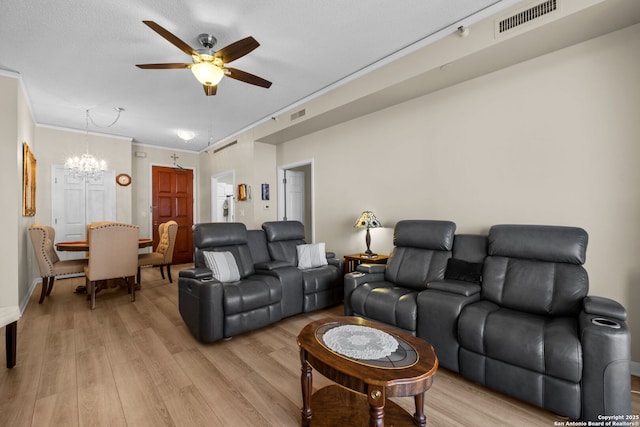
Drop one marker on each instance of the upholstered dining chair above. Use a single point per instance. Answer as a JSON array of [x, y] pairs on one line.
[[50, 265], [163, 254], [113, 254]]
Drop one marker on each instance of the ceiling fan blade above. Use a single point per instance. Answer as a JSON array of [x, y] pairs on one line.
[[171, 38], [210, 90], [162, 66], [243, 76], [237, 50]]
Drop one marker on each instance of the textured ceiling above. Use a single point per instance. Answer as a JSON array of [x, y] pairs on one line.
[[80, 54]]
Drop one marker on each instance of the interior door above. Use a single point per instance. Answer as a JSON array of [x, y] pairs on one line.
[[294, 196], [173, 200], [76, 203]]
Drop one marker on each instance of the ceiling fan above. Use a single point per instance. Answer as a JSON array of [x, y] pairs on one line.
[[209, 66]]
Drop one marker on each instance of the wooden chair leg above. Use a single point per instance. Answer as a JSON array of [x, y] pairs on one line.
[[169, 273], [132, 288], [91, 293], [11, 332], [51, 280], [162, 271], [138, 275], [43, 292]]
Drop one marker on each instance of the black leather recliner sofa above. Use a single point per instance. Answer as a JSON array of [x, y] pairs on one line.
[[509, 310], [270, 284]]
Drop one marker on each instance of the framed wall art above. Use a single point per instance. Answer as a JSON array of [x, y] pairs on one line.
[[28, 181]]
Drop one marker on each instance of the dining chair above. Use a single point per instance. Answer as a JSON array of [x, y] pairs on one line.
[[50, 265], [113, 254], [163, 254]]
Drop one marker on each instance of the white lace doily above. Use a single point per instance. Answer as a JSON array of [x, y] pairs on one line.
[[360, 342]]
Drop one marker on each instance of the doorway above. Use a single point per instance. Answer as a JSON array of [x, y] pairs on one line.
[[295, 203], [172, 199], [222, 199]]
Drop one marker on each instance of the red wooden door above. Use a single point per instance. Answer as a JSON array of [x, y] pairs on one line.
[[173, 200]]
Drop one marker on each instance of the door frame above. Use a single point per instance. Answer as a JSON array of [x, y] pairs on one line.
[[214, 192], [150, 192], [310, 197]]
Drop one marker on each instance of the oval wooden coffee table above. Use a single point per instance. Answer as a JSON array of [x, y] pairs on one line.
[[366, 382]]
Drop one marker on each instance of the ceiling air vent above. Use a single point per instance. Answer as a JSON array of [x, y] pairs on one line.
[[298, 114], [225, 146], [524, 16]]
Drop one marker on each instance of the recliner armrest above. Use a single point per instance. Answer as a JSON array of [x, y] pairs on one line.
[[199, 273], [455, 287], [352, 281], [371, 268], [271, 265], [330, 255], [601, 306]]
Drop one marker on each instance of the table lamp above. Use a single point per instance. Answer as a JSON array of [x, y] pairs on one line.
[[368, 220]]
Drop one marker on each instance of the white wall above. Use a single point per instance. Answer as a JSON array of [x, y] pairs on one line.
[[55, 145], [16, 127], [253, 164], [553, 140], [11, 177]]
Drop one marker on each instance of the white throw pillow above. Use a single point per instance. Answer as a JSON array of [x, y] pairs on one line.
[[311, 255], [223, 266]]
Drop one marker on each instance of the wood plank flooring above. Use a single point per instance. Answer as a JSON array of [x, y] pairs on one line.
[[136, 364]]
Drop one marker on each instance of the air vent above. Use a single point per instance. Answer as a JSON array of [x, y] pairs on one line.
[[225, 146], [532, 13], [298, 114]]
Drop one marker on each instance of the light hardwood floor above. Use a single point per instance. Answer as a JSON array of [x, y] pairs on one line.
[[136, 364]]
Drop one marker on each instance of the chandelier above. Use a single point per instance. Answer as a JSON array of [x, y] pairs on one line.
[[86, 167]]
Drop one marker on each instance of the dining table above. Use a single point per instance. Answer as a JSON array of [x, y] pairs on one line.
[[83, 245]]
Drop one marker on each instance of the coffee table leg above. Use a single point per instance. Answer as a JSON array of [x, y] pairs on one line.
[[376, 399], [418, 418], [306, 382]]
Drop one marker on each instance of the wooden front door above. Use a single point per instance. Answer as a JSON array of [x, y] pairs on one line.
[[173, 200]]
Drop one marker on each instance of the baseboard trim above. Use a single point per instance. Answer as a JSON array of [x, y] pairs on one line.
[[32, 287]]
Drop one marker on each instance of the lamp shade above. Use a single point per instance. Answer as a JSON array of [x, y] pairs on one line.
[[367, 220], [207, 73]]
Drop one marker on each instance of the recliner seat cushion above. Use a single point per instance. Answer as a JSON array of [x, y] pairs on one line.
[[384, 302], [251, 293], [320, 279], [541, 344]]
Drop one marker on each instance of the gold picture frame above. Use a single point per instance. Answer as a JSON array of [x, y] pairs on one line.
[[28, 181]]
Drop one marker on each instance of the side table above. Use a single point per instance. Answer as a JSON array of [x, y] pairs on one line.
[[352, 261]]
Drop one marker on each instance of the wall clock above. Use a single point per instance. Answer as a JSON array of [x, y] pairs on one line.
[[123, 179]]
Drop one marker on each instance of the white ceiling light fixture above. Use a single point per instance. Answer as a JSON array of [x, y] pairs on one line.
[[207, 73], [86, 167], [185, 135]]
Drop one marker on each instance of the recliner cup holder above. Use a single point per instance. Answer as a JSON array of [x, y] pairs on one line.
[[601, 321]]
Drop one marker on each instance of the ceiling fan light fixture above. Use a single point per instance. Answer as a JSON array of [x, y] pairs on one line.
[[207, 73]]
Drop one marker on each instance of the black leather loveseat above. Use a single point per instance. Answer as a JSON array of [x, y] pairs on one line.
[[509, 310], [261, 279]]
